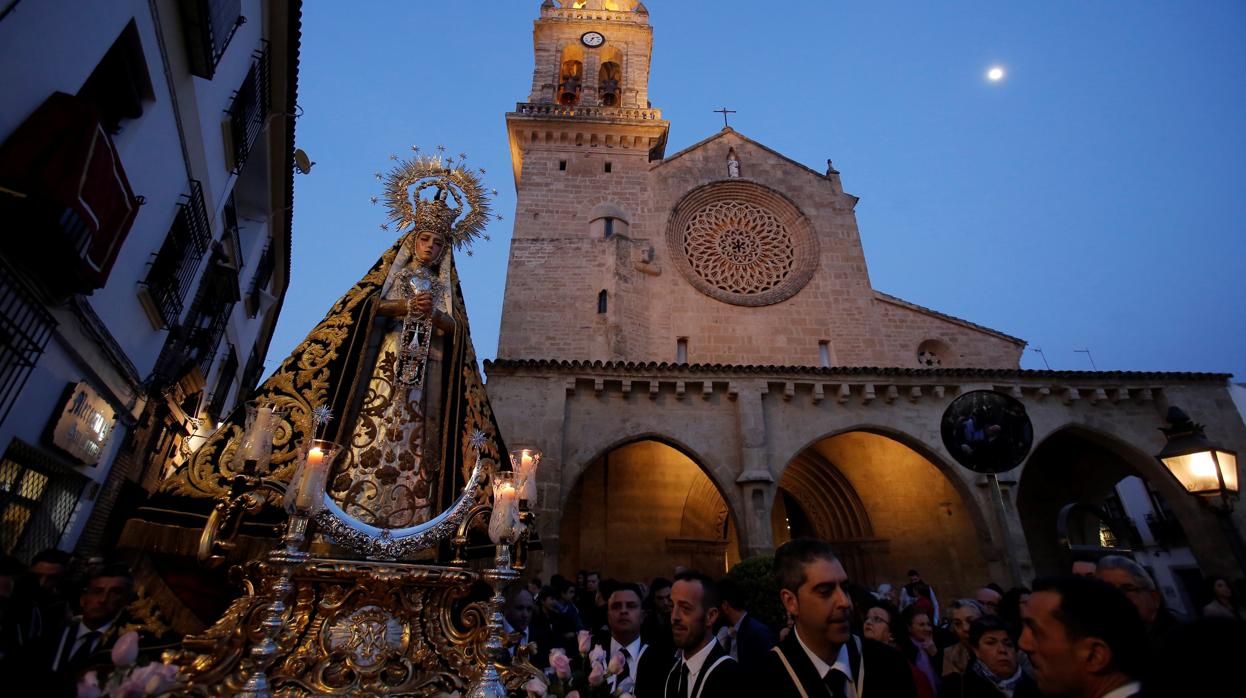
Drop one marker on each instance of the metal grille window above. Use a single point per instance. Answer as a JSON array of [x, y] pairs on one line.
[[175, 265], [229, 369], [231, 239], [251, 375], [36, 501], [25, 327], [208, 26], [249, 109], [259, 282]]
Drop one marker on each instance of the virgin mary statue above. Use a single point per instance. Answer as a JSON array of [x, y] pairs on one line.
[[393, 360]]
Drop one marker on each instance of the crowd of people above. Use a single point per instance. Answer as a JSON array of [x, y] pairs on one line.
[[1101, 631], [55, 628]]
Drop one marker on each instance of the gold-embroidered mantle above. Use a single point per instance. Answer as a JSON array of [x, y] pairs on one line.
[[322, 371]]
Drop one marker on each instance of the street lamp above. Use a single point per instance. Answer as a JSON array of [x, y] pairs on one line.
[[1205, 470]]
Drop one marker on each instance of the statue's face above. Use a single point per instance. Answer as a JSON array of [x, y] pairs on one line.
[[428, 246]]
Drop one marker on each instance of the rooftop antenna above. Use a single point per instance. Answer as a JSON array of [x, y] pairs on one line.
[[1088, 356], [1040, 353]]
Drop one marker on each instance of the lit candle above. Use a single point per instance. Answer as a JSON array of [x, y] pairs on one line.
[[505, 516], [525, 461], [311, 475]]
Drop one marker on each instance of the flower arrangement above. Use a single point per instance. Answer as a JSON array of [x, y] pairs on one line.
[[129, 679], [588, 675]]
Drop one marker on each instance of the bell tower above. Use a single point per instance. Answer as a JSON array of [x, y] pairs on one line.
[[582, 146]]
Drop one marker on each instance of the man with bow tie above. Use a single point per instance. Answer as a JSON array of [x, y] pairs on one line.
[[821, 658]]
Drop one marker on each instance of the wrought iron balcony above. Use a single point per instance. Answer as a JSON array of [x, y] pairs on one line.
[[25, 327], [248, 110], [1167, 531], [174, 267], [225, 379], [259, 282], [208, 26]]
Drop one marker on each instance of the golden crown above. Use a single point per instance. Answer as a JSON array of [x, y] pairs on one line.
[[459, 196], [434, 215]]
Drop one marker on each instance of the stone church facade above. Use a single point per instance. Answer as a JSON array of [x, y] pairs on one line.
[[693, 341]]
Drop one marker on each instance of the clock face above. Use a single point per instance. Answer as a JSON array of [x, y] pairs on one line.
[[592, 39]]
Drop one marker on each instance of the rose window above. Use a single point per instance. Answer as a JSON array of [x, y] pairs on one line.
[[738, 247], [742, 243]]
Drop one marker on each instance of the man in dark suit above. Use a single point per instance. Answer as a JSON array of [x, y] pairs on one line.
[[703, 668], [821, 657], [644, 667], [743, 636], [51, 667], [1084, 638]]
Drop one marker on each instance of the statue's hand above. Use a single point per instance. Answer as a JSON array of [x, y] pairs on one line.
[[423, 303]]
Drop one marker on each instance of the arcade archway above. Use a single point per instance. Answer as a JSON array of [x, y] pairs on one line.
[[885, 508], [1077, 466], [641, 510]]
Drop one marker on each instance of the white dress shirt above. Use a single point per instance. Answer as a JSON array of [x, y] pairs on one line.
[[78, 638], [696, 663], [1125, 691], [634, 650], [843, 663]]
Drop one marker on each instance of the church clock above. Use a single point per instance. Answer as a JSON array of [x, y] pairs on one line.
[[592, 39]]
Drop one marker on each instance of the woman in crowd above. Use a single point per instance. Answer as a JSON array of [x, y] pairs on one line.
[[1223, 603], [883, 623], [919, 648], [957, 657], [994, 672]]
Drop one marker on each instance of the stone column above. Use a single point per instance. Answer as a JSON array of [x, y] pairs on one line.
[[756, 481]]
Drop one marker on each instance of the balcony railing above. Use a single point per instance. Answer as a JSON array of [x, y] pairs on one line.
[[251, 374], [25, 327], [534, 109], [259, 282], [1167, 531], [249, 109], [175, 265], [224, 381], [208, 26]]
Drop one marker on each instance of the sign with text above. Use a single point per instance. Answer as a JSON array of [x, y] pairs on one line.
[[84, 425]]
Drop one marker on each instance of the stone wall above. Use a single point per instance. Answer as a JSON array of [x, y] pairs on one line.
[[559, 266], [743, 426]]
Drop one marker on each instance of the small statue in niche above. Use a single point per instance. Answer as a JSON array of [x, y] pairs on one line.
[[733, 164]]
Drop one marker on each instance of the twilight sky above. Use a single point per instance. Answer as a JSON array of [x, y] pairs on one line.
[[1093, 199]]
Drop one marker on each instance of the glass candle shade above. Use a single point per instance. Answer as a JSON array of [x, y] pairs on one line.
[[253, 454], [524, 462], [504, 523], [305, 493]]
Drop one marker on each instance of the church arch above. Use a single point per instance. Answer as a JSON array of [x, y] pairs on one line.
[[642, 507], [610, 77], [570, 74], [1101, 461], [887, 502]]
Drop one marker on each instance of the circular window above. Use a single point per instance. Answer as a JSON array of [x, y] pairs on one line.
[[742, 243], [932, 353]]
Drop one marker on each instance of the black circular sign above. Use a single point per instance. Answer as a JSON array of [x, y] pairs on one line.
[[987, 432]]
